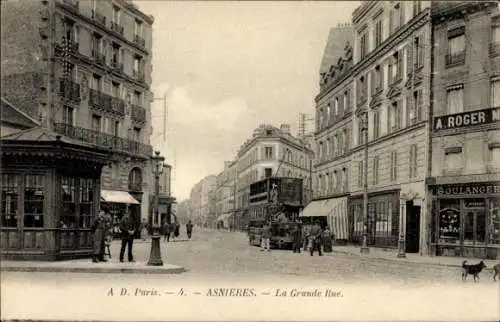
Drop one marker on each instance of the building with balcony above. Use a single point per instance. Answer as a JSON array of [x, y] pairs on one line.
[[202, 202], [464, 183], [83, 69], [225, 190], [333, 128]]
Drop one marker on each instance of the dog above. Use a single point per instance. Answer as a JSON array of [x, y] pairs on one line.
[[496, 272], [473, 270]]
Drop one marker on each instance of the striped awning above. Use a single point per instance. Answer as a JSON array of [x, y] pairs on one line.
[[335, 211]]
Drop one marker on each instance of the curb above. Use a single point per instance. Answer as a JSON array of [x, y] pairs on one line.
[[403, 260], [98, 270]]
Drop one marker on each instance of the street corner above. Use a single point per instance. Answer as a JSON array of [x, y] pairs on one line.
[[86, 266]]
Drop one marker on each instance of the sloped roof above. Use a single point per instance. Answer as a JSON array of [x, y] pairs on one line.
[[41, 134], [335, 45], [12, 115]]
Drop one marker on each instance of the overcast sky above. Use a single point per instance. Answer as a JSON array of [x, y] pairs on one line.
[[226, 67]]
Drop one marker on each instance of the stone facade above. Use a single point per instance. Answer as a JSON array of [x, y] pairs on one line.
[[70, 64]]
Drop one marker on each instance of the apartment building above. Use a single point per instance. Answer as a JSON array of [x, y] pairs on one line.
[[333, 128], [464, 183], [83, 68], [392, 89], [225, 190], [202, 201]]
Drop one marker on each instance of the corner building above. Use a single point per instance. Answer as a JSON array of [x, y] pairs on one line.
[[465, 179], [83, 68], [391, 87]]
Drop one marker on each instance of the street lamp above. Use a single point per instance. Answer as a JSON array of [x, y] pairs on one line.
[[364, 246], [155, 255]]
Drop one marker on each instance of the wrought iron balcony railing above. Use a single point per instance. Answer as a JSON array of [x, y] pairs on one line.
[[98, 57], [139, 41], [117, 28], [455, 59], [105, 140], [73, 48], [138, 114], [99, 17], [69, 90], [105, 102]]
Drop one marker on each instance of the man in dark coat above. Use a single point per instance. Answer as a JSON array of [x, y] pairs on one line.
[[317, 235], [189, 229], [127, 227], [296, 238], [166, 231], [99, 234]]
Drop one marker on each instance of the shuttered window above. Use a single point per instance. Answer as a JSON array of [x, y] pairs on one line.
[[412, 162], [394, 165], [375, 170]]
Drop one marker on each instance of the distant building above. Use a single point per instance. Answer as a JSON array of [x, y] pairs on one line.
[[201, 201]]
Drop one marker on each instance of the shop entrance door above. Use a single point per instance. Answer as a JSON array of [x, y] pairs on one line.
[[412, 227]]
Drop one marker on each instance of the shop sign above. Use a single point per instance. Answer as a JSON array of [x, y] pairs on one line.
[[474, 203], [472, 118], [468, 189]]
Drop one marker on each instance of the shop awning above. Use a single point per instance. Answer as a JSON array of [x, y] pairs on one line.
[[116, 196], [335, 210], [223, 217]]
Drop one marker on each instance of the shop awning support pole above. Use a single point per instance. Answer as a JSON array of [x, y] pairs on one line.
[[364, 247]]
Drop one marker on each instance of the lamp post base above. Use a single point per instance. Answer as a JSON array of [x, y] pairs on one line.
[[364, 246], [401, 248], [155, 255]]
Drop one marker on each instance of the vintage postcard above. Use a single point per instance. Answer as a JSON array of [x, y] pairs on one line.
[[250, 160]]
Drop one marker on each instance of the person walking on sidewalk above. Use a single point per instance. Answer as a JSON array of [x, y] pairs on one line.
[[165, 231], [99, 234], [266, 238], [296, 238], [127, 226], [189, 229], [317, 237]]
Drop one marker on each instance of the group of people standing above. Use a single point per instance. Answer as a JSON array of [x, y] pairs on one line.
[[312, 238], [102, 230], [172, 230]]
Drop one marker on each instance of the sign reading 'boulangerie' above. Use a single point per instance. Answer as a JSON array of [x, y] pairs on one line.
[[472, 118], [468, 189]]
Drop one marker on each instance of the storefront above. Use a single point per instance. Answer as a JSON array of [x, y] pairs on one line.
[[466, 220], [49, 195], [382, 224], [116, 203], [329, 212]]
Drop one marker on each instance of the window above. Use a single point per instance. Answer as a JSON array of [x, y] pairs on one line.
[[340, 144], [137, 65], [115, 89], [68, 115], [395, 67], [494, 155], [320, 119], [138, 98], [328, 112], [347, 100], [117, 54], [268, 153], [344, 180], [495, 93], [96, 123], [378, 32], [376, 124], [456, 46], [96, 45], [116, 15], [455, 99], [10, 198], [419, 52], [396, 18], [394, 116], [97, 83], [361, 134], [34, 195], [394, 165], [116, 128], [68, 195], [138, 28], [453, 159], [360, 174], [346, 140], [363, 44], [417, 7], [268, 172], [336, 106], [414, 108], [413, 161], [362, 89], [336, 146], [375, 170], [328, 148], [495, 36]]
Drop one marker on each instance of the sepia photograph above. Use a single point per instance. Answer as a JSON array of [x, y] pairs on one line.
[[242, 160]]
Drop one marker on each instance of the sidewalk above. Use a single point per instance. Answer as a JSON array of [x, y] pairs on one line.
[[392, 255]]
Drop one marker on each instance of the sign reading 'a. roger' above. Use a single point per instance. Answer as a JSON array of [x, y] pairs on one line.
[[472, 118]]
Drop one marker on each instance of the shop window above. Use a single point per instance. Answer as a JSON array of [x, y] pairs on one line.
[[68, 193], [494, 230], [10, 198], [474, 221], [86, 202], [449, 221], [34, 195]]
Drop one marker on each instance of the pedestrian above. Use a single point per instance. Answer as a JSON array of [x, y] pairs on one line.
[[316, 236], [144, 229], [189, 229], [266, 238], [305, 236], [127, 226], [327, 240], [297, 238], [99, 233], [165, 231]]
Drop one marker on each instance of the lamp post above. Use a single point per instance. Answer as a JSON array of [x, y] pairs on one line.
[[155, 255], [364, 246]]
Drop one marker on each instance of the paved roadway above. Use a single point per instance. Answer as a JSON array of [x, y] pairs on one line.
[[383, 289]]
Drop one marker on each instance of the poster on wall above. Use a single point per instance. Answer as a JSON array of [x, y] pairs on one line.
[[449, 225]]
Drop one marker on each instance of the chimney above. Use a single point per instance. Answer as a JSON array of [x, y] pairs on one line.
[[285, 128]]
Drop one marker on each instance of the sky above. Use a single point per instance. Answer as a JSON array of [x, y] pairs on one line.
[[225, 68]]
